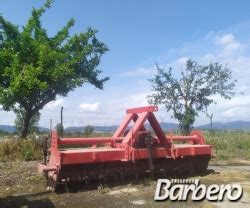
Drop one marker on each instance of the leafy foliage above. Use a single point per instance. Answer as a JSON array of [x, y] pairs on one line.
[[35, 68], [19, 122], [192, 92], [59, 129], [88, 130]]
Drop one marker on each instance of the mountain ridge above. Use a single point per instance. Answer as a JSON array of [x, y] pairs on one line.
[[232, 125]]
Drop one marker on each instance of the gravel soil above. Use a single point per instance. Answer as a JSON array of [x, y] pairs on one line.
[[22, 186]]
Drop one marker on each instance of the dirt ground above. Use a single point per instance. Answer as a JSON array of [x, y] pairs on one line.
[[22, 186]]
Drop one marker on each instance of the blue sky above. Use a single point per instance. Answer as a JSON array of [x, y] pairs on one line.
[[138, 34]]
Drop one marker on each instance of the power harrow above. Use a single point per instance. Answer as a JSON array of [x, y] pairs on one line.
[[131, 151]]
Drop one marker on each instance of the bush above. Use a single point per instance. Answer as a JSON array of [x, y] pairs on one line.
[[20, 149], [88, 130]]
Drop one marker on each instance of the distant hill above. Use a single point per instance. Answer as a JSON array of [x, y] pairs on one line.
[[169, 126], [165, 126], [43, 129], [7, 128], [234, 125], [11, 129], [96, 128]]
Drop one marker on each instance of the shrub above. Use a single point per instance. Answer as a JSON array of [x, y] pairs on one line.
[[20, 149]]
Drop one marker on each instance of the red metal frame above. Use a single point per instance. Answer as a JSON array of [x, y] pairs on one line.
[[122, 145]]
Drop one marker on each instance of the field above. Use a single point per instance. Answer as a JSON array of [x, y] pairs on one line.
[[229, 144], [22, 186], [226, 144]]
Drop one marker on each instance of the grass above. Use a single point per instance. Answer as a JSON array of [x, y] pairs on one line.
[[226, 145], [20, 150], [229, 144], [103, 188]]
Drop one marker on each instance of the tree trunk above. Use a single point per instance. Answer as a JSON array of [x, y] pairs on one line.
[[185, 129], [26, 123], [187, 121]]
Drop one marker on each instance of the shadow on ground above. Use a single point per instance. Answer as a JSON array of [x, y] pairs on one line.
[[23, 201]]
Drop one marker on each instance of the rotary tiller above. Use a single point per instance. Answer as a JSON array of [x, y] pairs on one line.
[[131, 151]]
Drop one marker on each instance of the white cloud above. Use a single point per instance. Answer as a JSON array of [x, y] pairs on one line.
[[239, 101], [225, 39], [228, 43], [139, 72], [89, 106], [232, 112], [139, 99], [182, 61], [54, 104], [7, 117], [236, 113]]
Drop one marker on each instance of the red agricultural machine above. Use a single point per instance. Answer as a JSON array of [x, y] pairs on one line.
[[131, 151]]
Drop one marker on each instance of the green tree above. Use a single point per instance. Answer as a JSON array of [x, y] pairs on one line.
[[35, 68], [19, 122], [191, 93], [59, 129], [88, 130]]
